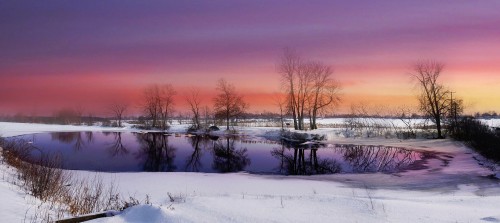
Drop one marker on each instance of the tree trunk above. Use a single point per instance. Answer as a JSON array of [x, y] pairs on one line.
[[438, 126], [311, 125], [314, 116], [281, 118], [294, 114]]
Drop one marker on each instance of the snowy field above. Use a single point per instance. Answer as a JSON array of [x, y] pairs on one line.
[[461, 191]]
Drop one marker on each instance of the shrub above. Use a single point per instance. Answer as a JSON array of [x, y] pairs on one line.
[[44, 179], [478, 136], [193, 128], [301, 137]]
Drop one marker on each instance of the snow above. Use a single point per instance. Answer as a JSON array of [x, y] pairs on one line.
[[493, 122], [14, 202], [247, 198], [8, 129], [460, 191], [141, 213]]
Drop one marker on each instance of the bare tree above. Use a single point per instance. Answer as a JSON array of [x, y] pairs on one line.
[[158, 104], [456, 110], [407, 116], [309, 87], [433, 98], [304, 89], [296, 76], [118, 109], [167, 94], [280, 101], [228, 103], [194, 101], [287, 68], [325, 92], [151, 104]]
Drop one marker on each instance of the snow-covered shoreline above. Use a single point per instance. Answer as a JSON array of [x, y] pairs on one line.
[[458, 192]]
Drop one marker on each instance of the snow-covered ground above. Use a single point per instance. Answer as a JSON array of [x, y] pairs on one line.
[[14, 203], [461, 191], [493, 122]]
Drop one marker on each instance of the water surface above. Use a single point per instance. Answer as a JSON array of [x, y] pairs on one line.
[[158, 152]]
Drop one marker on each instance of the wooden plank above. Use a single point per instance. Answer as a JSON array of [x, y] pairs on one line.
[[83, 218]]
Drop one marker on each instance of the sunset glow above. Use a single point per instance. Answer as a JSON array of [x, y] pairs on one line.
[[65, 54]]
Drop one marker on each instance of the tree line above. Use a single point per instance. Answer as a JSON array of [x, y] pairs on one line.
[[158, 105], [308, 90]]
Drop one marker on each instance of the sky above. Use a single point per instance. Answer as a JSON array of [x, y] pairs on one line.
[[85, 54]]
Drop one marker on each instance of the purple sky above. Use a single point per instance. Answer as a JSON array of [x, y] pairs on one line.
[[63, 53]]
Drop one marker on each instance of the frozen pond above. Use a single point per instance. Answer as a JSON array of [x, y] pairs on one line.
[[158, 152]]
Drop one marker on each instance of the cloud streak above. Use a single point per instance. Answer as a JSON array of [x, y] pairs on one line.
[[122, 46]]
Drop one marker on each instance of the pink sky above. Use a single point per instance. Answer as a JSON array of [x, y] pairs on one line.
[[66, 54]]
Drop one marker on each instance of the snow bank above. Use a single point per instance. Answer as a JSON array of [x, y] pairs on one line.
[[13, 204], [248, 198], [139, 213], [8, 129]]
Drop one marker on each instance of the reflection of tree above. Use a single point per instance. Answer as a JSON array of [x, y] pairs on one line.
[[227, 158], [158, 155], [297, 164], [377, 158], [69, 137], [79, 143], [193, 162], [117, 147], [359, 158], [89, 136], [64, 137]]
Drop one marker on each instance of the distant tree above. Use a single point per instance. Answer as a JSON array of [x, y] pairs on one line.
[[118, 109], [288, 67], [309, 86], [228, 104], [434, 97], [194, 101], [406, 115], [325, 91], [477, 115], [90, 119], [167, 94], [67, 116], [158, 104], [297, 79], [280, 101], [79, 111], [151, 104], [456, 109]]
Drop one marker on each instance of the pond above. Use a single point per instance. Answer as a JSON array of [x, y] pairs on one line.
[[159, 152]]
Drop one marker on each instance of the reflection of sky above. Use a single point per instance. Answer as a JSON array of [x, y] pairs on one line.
[[56, 53], [97, 154]]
